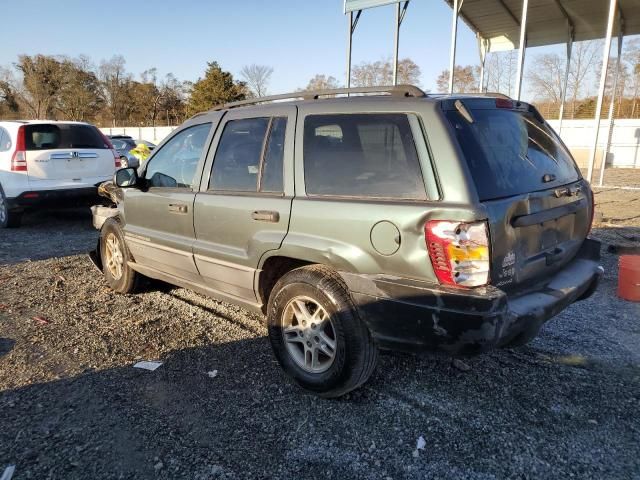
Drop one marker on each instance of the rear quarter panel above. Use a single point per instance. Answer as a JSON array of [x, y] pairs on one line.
[[338, 231]]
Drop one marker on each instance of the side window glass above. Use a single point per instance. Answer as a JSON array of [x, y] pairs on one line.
[[362, 155], [273, 157], [174, 166], [5, 140], [237, 161]]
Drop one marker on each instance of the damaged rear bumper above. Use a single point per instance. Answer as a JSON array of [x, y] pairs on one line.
[[406, 314]]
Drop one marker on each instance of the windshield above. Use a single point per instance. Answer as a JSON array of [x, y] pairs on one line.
[[511, 152]]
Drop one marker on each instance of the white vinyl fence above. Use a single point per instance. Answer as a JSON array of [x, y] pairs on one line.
[[150, 134], [625, 141]]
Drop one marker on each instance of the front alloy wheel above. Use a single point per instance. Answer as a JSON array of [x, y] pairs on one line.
[[113, 256]]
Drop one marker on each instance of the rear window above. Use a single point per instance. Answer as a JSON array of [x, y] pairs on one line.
[[49, 137], [511, 152], [361, 155]]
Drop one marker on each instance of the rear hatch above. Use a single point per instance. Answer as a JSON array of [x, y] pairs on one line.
[[66, 151], [539, 207]]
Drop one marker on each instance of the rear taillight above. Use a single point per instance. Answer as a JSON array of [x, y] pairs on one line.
[[593, 212], [459, 252], [19, 157], [109, 145]]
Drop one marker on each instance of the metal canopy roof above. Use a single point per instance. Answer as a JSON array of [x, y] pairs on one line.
[[498, 21]]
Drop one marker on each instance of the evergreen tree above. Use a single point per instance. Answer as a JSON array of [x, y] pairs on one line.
[[216, 88]]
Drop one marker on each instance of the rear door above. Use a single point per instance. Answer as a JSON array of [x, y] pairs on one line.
[[539, 206], [244, 203], [66, 151]]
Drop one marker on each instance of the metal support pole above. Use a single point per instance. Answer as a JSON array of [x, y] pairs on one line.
[[566, 75], [396, 45], [482, 45], [349, 46], [401, 10], [603, 81], [523, 47], [352, 27], [457, 5], [612, 107]]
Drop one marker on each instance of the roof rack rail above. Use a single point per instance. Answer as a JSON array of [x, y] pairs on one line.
[[472, 94], [395, 91]]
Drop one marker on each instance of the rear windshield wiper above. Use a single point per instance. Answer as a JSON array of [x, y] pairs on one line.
[[462, 110]]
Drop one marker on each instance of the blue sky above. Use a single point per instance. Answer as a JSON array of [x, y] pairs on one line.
[[297, 38]]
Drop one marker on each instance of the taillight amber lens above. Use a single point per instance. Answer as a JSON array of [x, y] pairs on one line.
[[459, 252]]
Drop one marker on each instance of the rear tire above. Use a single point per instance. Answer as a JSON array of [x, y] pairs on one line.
[[115, 257], [310, 310], [8, 218]]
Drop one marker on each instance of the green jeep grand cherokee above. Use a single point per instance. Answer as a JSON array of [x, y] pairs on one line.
[[389, 220]]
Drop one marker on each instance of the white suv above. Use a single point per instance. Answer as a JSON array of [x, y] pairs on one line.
[[48, 162]]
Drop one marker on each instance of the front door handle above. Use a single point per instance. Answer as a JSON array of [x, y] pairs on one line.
[[178, 208], [266, 216]]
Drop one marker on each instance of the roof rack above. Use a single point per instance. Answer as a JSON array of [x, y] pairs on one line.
[[394, 91], [472, 94]]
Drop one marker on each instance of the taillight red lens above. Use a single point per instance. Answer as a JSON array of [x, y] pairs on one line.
[[109, 145], [593, 212], [19, 157], [459, 252]]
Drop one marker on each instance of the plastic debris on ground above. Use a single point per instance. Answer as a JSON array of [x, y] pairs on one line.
[[41, 320], [461, 365], [147, 365], [421, 443], [212, 374], [8, 472]]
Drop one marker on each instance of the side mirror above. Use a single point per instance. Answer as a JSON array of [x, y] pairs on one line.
[[126, 178]]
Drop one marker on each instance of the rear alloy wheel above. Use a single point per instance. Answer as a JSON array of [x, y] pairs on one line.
[[316, 333], [309, 334], [115, 257], [8, 218], [124, 162]]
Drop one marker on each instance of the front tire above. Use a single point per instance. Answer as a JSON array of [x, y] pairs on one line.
[[8, 218], [115, 257], [316, 333]]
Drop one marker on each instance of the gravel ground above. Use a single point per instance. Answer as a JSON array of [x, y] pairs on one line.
[[72, 406]]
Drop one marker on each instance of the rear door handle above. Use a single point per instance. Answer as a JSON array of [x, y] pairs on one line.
[[266, 216], [178, 208]]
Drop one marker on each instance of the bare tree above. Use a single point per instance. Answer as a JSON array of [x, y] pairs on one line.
[[584, 61], [547, 77], [114, 80], [257, 78], [79, 97], [322, 82], [500, 69], [632, 57], [465, 79], [42, 78], [373, 74]]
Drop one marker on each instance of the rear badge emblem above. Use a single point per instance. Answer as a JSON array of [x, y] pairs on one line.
[[509, 259]]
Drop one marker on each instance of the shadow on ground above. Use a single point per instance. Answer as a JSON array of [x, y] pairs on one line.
[[48, 233], [521, 413]]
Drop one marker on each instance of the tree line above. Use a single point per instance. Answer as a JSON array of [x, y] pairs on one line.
[[544, 80], [107, 94]]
